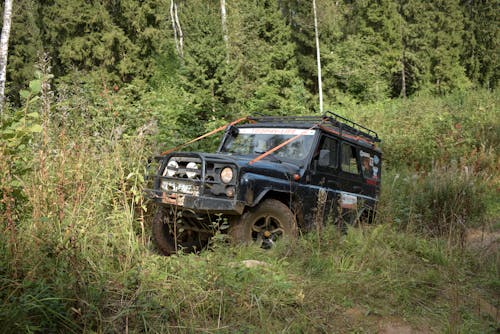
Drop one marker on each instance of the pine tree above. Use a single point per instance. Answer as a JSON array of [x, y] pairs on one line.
[[25, 47], [263, 56], [364, 60], [299, 16], [415, 35], [204, 54], [118, 39], [254, 72], [446, 44], [481, 42]]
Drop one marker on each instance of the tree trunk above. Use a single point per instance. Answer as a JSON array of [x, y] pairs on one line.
[[320, 85], [223, 15], [403, 51], [4, 48], [403, 74], [179, 31], [178, 37]]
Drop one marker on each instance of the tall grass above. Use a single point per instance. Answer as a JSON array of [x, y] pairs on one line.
[[442, 202], [420, 132], [86, 230], [81, 259]]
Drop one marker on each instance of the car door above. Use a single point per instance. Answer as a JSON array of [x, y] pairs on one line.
[[325, 163], [349, 176], [324, 171]]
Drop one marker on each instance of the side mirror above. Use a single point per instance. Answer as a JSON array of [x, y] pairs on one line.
[[324, 158], [232, 131]]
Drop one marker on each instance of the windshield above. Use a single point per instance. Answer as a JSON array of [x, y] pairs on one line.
[[251, 141]]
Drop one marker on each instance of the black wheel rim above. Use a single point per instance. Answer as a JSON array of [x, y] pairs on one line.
[[266, 230]]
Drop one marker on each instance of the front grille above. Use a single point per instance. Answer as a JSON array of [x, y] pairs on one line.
[[194, 174]]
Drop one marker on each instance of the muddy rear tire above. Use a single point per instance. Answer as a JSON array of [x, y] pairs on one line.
[[264, 225]]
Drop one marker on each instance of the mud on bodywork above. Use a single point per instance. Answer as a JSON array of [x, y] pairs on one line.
[[317, 169], [193, 181]]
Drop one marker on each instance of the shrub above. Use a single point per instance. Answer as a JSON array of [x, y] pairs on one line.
[[442, 202], [422, 131]]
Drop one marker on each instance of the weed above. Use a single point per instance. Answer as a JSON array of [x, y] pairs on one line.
[[442, 202], [81, 259]]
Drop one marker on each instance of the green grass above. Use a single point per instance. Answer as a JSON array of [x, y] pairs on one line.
[[81, 257], [310, 286], [462, 128]]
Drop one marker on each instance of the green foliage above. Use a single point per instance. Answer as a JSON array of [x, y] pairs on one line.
[[81, 259], [265, 64], [443, 202], [480, 55], [461, 128], [83, 199], [446, 72], [353, 73], [19, 135], [75, 252], [25, 46], [269, 61], [120, 39]]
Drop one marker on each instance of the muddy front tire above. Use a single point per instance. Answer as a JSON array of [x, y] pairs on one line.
[[264, 225], [172, 234]]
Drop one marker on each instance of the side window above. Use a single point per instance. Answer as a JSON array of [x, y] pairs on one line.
[[370, 165], [349, 159], [327, 154]]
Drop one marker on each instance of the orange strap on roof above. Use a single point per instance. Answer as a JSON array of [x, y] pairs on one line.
[[205, 135], [265, 154]]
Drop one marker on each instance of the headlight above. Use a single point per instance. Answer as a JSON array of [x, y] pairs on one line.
[[226, 175], [171, 169], [190, 173]]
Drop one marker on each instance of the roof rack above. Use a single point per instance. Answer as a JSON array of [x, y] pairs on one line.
[[329, 119]]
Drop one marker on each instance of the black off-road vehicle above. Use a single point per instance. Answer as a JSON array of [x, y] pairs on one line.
[[270, 178]]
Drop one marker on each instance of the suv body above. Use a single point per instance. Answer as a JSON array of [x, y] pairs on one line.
[[268, 179]]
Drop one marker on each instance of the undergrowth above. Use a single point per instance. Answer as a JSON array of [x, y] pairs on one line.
[[76, 254], [442, 202], [420, 132]]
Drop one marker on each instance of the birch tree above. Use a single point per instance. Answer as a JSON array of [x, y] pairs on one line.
[[318, 58], [176, 26], [4, 46], [223, 15]]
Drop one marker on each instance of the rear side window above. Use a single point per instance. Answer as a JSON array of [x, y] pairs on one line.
[[370, 165], [349, 159]]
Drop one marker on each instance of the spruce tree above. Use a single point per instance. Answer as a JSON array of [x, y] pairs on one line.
[[263, 58], [120, 40], [481, 42], [364, 60], [445, 46], [25, 47]]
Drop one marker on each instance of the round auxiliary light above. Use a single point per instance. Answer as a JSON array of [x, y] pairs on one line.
[[226, 175], [171, 169], [190, 173]]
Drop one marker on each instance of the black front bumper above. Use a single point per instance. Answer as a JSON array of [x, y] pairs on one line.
[[199, 204]]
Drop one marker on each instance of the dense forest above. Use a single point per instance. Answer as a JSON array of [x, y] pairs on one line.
[[95, 87], [183, 59]]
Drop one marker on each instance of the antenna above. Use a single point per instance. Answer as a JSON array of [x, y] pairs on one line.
[[320, 86]]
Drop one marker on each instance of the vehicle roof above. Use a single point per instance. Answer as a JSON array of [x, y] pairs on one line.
[[329, 123]]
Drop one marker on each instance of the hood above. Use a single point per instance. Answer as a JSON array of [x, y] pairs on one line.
[[268, 166]]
